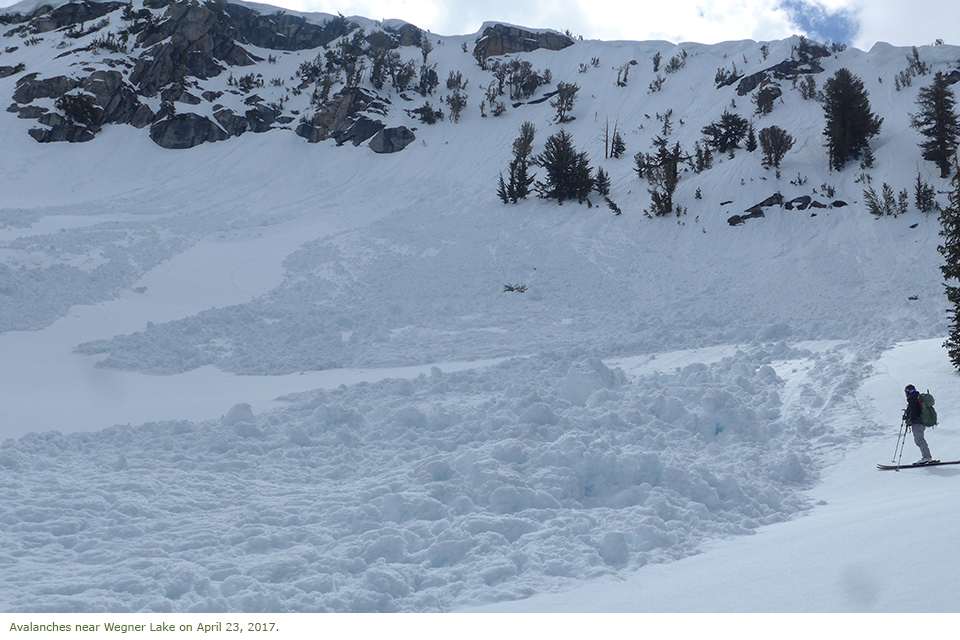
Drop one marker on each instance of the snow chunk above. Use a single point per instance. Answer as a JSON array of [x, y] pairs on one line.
[[614, 550], [238, 413]]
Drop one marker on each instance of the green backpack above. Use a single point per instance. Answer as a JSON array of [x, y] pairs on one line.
[[928, 415]]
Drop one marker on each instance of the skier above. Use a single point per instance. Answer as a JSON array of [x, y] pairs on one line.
[[912, 417]]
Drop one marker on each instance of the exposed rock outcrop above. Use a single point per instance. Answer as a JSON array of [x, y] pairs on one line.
[[392, 140], [119, 102], [191, 41], [30, 87], [501, 39], [161, 56], [360, 131], [801, 203], [283, 31], [46, 18], [61, 131], [9, 71], [114, 100], [807, 62], [339, 116], [185, 130]]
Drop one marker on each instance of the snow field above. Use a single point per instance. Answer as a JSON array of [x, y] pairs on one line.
[[412, 494], [874, 541]]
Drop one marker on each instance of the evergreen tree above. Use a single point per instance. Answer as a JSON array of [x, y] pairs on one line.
[[950, 250], [502, 192], [603, 182], [520, 179], [726, 134], [662, 171], [428, 79], [924, 195], [456, 101], [704, 158], [569, 176], [566, 97], [751, 144], [937, 122], [850, 123], [617, 146], [775, 142]]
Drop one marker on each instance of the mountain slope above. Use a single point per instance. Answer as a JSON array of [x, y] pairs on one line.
[[658, 384]]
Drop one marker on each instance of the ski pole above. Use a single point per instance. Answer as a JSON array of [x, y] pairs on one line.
[[902, 443], [899, 436]]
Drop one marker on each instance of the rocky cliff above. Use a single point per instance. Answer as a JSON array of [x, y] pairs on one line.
[[192, 72]]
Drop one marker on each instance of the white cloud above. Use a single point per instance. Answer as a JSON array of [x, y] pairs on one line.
[[907, 23]]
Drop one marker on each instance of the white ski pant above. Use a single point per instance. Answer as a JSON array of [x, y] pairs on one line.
[[918, 438]]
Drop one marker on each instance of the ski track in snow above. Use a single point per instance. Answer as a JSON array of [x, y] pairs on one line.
[[437, 442]]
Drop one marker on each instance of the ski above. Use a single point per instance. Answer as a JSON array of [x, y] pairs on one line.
[[888, 467]]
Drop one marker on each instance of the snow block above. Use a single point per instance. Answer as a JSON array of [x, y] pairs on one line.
[[614, 550]]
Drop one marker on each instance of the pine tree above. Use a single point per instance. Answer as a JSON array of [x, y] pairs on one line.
[[726, 134], [569, 176], [924, 195], [502, 192], [520, 179], [937, 121], [566, 97], [751, 144], [850, 123], [704, 158], [617, 146], [775, 142], [661, 170], [950, 250], [603, 182]]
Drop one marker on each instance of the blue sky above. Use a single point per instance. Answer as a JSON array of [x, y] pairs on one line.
[[856, 23], [823, 24]]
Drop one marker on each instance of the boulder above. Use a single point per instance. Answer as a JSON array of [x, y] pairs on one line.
[[801, 203], [185, 130], [64, 132], [786, 70], [31, 113], [9, 71], [30, 87], [261, 118], [233, 124], [359, 132], [46, 18], [392, 140], [309, 132], [176, 93]]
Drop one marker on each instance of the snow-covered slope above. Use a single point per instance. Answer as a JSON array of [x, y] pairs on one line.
[[267, 375]]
